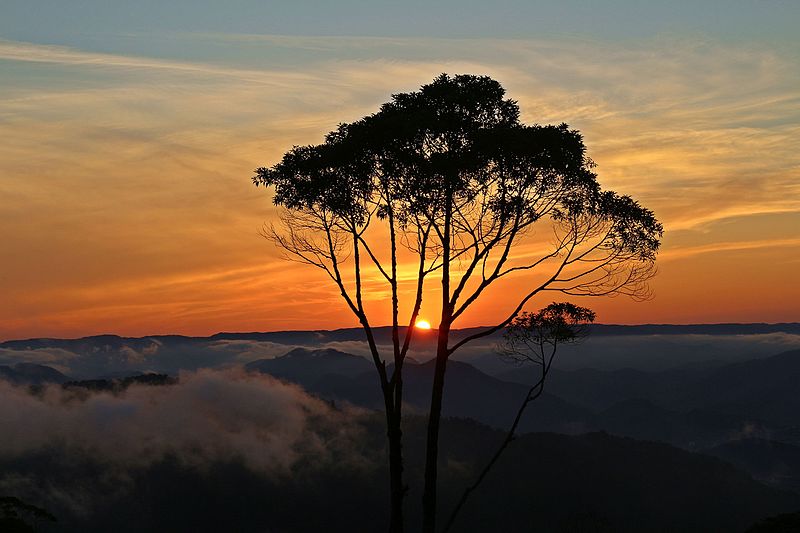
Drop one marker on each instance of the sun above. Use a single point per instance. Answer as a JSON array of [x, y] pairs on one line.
[[422, 324]]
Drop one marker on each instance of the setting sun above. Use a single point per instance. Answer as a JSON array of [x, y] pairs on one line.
[[423, 324]]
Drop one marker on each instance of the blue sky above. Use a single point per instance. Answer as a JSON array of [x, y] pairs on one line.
[[59, 22]]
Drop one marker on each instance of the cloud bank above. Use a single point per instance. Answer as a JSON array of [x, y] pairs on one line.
[[208, 416]]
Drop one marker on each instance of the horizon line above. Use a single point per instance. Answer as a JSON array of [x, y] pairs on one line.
[[354, 328]]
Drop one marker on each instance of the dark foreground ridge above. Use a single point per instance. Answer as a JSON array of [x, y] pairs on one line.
[[561, 483]]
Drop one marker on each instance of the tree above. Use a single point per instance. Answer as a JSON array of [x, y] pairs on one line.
[[533, 338], [458, 181], [15, 515]]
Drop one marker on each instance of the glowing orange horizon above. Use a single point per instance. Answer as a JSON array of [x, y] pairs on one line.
[[127, 206]]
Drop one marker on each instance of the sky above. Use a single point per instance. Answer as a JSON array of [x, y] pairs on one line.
[[130, 132]]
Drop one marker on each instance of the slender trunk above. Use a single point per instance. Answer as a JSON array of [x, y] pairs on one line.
[[394, 417], [434, 418], [394, 436], [396, 488], [437, 391]]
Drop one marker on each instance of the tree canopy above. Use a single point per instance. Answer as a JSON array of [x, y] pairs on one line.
[[457, 149]]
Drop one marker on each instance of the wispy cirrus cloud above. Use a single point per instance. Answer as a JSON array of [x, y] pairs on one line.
[[63, 55], [689, 251]]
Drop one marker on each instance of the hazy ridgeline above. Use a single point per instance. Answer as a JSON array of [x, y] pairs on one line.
[[608, 348], [226, 447]]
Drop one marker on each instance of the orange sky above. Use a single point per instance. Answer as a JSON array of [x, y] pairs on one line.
[[127, 205]]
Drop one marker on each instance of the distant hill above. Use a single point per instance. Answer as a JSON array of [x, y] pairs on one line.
[[766, 389], [469, 392], [693, 429], [695, 329], [756, 395], [120, 384], [692, 407], [774, 463], [307, 367], [598, 482], [383, 335], [649, 347], [96, 343], [31, 374]]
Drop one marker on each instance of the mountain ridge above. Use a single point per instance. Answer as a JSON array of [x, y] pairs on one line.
[[719, 328]]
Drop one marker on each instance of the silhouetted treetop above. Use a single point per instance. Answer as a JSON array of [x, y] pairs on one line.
[[457, 145]]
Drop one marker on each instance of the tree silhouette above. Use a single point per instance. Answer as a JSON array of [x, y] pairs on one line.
[[15, 515], [453, 177], [533, 338], [783, 523]]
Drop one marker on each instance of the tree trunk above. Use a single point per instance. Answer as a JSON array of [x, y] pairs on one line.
[[437, 391], [396, 487], [394, 415], [434, 417]]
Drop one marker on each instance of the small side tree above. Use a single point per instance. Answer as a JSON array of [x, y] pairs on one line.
[[532, 338], [451, 175]]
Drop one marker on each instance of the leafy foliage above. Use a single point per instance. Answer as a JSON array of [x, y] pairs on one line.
[[457, 144]]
